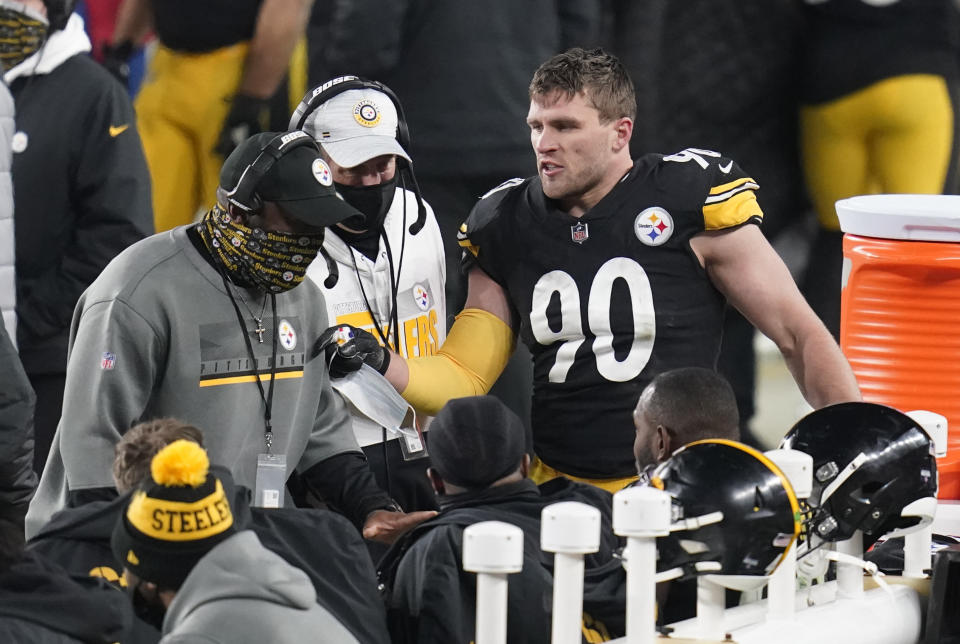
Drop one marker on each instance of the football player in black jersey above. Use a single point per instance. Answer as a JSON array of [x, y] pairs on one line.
[[612, 271]]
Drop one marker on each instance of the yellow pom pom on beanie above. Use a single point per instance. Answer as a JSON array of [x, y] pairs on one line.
[[179, 464]]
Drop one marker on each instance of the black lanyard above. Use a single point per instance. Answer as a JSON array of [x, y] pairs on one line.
[[393, 322], [267, 397]]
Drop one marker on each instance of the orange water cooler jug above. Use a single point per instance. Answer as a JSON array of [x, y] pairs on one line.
[[900, 308]]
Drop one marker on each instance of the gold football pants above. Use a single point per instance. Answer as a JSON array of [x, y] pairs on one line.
[[895, 136], [180, 109]]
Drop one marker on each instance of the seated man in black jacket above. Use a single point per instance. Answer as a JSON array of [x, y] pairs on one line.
[[17, 478], [342, 573], [677, 407], [86, 609], [479, 474]]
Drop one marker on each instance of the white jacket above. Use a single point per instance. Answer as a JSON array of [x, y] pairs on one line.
[[8, 286], [421, 303]]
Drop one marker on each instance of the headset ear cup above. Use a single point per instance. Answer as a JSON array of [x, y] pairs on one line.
[[403, 133]]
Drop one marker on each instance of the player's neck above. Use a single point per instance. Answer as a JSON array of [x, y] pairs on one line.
[[581, 204]]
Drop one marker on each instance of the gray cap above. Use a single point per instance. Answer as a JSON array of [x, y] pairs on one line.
[[356, 126]]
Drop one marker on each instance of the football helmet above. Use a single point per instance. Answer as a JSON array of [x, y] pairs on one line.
[[874, 469], [733, 511]]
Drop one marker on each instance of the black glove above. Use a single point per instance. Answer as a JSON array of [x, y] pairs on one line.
[[242, 122], [347, 348], [116, 60]]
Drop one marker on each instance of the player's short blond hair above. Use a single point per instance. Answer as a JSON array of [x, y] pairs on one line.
[[600, 76]]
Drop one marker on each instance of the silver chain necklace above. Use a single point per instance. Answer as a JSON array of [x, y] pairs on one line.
[[260, 329]]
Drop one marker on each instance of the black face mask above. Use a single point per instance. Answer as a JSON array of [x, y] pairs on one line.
[[372, 201], [149, 609]]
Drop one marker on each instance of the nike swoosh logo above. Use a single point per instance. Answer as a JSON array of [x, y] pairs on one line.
[[725, 169], [117, 130]]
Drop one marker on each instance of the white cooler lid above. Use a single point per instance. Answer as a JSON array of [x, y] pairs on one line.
[[912, 217]]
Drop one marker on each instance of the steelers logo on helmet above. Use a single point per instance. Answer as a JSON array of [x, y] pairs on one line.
[[653, 226], [366, 113], [321, 172]]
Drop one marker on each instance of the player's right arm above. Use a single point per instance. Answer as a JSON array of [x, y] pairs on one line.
[[470, 360], [483, 337]]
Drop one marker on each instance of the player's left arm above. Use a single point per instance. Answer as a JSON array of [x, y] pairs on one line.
[[746, 269]]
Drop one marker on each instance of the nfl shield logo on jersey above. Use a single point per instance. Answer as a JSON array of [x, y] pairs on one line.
[[108, 361], [579, 232]]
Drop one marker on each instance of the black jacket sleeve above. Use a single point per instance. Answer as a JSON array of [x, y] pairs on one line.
[[347, 485], [110, 199], [17, 478]]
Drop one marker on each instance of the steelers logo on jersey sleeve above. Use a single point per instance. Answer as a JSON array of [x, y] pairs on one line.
[[653, 226]]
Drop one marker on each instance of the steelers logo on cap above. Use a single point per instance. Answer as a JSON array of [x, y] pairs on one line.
[[321, 172], [366, 113]]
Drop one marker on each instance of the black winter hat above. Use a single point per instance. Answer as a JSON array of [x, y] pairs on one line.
[[475, 441]]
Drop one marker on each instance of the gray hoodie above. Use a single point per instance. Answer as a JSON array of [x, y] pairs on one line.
[[241, 592]]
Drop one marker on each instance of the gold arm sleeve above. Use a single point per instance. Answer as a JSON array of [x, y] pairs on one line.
[[469, 362]]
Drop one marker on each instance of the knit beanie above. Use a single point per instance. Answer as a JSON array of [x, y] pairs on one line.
[[174, 517], [475, 441]]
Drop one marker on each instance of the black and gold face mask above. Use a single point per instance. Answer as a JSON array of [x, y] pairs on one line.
[[22, 33], [272, 261]]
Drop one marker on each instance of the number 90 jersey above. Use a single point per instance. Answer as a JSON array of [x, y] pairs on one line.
[[610, 299]]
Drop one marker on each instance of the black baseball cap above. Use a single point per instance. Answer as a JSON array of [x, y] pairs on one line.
[[299, 181]]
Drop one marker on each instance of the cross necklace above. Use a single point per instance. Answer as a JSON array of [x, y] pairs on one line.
[[260, 329]]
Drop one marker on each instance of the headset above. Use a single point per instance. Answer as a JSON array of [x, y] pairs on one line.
[[244, 196], [317, 97]]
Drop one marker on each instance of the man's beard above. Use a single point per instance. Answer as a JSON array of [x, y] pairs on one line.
[[644, 458]]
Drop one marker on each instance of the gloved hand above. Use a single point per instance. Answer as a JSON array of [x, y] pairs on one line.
[[116, 60], [347, 348], [242, 122]]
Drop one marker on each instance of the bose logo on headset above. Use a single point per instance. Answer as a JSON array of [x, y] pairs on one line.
[[331, 83], [292, 136]]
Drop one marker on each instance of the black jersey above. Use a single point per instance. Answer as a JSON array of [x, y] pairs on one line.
[[610, 299], [198, 26]]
